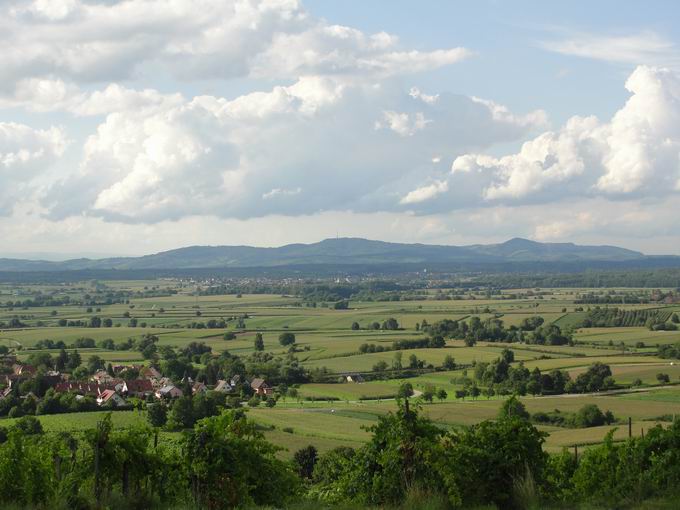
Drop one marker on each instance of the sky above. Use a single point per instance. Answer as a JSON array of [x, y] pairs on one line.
[[136, 126]]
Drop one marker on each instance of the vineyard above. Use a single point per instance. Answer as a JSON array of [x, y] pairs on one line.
[[616, 318]]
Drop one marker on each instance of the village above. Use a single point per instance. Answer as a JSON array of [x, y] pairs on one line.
[[117, 387]]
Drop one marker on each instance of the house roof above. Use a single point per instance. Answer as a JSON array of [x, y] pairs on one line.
[[82, 387], [169, 389], [258, 383], [107, 395], [101, 375], [121, 368], [150, 372], [223, 386], [139, 385], [23, 369]]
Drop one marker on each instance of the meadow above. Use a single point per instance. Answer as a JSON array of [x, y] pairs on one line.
[[325, 338]]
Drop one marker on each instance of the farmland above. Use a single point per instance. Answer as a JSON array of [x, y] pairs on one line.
[[332, 342]]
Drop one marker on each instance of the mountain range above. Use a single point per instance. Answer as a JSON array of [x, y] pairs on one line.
[[341, 251]]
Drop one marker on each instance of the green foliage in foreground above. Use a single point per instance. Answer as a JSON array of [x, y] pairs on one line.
[[224, 462]]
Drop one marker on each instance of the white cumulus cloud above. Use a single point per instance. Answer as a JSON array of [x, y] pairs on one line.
[[80, 40], [427, 98], [404, 124], [157, 156], [25, 152], [636, 153], [425, 192]]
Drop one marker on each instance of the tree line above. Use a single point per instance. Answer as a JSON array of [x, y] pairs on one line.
[[532, 330], [501, 378]]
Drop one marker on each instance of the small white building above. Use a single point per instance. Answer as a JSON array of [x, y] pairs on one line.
[[354, 378]]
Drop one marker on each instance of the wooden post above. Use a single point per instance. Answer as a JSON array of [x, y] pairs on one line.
[[630, 427]]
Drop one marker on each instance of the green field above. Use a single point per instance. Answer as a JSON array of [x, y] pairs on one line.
[[340, 423], [646, 372], [629, 336], [325, 339], [84, 421]]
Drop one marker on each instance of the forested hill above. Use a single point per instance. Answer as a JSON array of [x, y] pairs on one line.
[[344, 252]]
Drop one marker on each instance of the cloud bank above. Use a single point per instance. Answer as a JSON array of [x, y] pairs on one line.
[[636, 154], [148, 117]]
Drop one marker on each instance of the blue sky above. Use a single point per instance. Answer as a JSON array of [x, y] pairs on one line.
[[130, 127], [511, 65]]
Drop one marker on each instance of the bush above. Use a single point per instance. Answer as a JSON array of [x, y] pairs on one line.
[[663, 378], [232, 465], [501, 452], [305, 460], [157, 414], [286, 338], [591, 416], [341, 305], [513, 408], [29, 425], [596, 378], [381, 471]]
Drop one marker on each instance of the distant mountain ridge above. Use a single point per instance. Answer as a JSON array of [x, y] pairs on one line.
[[341, 251]]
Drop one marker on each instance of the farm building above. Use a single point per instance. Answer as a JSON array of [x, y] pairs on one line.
[[169, 391], [234, 381], [150, 373], [224, 386], [102, 377], [261, 387], [198, 387], [23, 370], [20, 372]]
